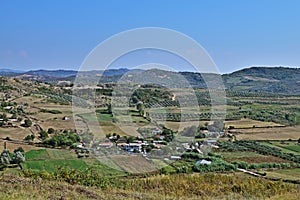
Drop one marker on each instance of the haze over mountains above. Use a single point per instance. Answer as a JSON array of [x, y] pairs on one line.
[[281, 80]]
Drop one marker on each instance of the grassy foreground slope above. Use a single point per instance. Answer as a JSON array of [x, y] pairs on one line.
[[208, 186]]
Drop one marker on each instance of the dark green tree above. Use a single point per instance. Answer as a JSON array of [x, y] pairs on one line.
[[50, 131], [27, 123]]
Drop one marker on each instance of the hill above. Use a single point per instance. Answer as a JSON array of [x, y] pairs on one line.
[[265, 79], [279, 80]]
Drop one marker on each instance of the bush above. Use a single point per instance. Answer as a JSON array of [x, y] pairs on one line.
[[27, 123]]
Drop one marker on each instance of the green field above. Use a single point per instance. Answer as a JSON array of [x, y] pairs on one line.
[[44, 154], [53, 165], [52, 159], [40, 154], [288, 174], [295, 148], [288, 147]]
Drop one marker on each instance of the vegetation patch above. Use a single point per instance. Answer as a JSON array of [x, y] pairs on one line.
[[40, 154], [53, 165]]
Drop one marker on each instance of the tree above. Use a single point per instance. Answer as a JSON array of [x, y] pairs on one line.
[[19, 149], [27, 123], [140, 107], [5, 157], [29, 137], [217, 126], [109, 109], [189, 131], [14, 116], [18, 158], [43, 135], [134, 99], [51, 130]]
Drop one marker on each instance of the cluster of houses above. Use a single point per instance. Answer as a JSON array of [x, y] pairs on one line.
[[8, 122], [139, 145], [157, 142]]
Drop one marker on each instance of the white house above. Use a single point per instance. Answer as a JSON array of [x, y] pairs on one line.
[[203, 162], [131, 147]]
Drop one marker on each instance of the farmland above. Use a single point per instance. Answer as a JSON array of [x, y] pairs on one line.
[[260, 133], [287, 174]]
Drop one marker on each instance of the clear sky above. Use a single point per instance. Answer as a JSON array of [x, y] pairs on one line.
[[58, 34]]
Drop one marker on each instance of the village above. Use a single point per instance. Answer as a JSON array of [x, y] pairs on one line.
[[157, 141]]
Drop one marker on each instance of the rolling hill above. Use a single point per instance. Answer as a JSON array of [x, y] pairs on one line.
[[281, 80]]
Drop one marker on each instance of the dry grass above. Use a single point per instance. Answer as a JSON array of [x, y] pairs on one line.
[[134, 164], [11, 146], [289, 174], [18, 133], [195, 186], [18, 188], [284, 133], [249, 123], [181, 125]]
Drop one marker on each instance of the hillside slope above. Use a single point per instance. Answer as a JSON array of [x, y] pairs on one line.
[[281, 80]]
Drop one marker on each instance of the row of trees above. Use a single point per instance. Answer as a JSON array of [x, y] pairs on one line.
[[62, 140], [6, 158], [266, 150]]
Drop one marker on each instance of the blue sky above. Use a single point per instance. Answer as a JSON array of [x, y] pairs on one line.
[[59, 34]]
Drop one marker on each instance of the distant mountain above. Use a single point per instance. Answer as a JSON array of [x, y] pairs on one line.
[[9, 72], [51, 73], [280, 80]]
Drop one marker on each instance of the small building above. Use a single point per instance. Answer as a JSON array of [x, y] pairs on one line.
[[80, 145], [106, 144], [156, 131], [175, 158], [158, 146], [121, 144], [203, 162], [133, 147], [210, 142], [13, 120], [65, 118], [7, 107]]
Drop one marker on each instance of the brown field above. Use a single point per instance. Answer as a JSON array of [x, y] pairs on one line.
[[11, 146], [58, 124], [106, 128], [134, 164], [30, 100], [181, 125], [283, 133], [18, 133], [249, 123]]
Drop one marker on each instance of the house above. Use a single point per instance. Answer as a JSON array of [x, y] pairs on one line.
[[158, 142], [7, 107], [203, 162], [80, 145], [13, 120], [106, 144], [133, 147], [156, 131], [66, 118], [214, 146], [175, 157], [158, 146], [210, 142], [121, 144]]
